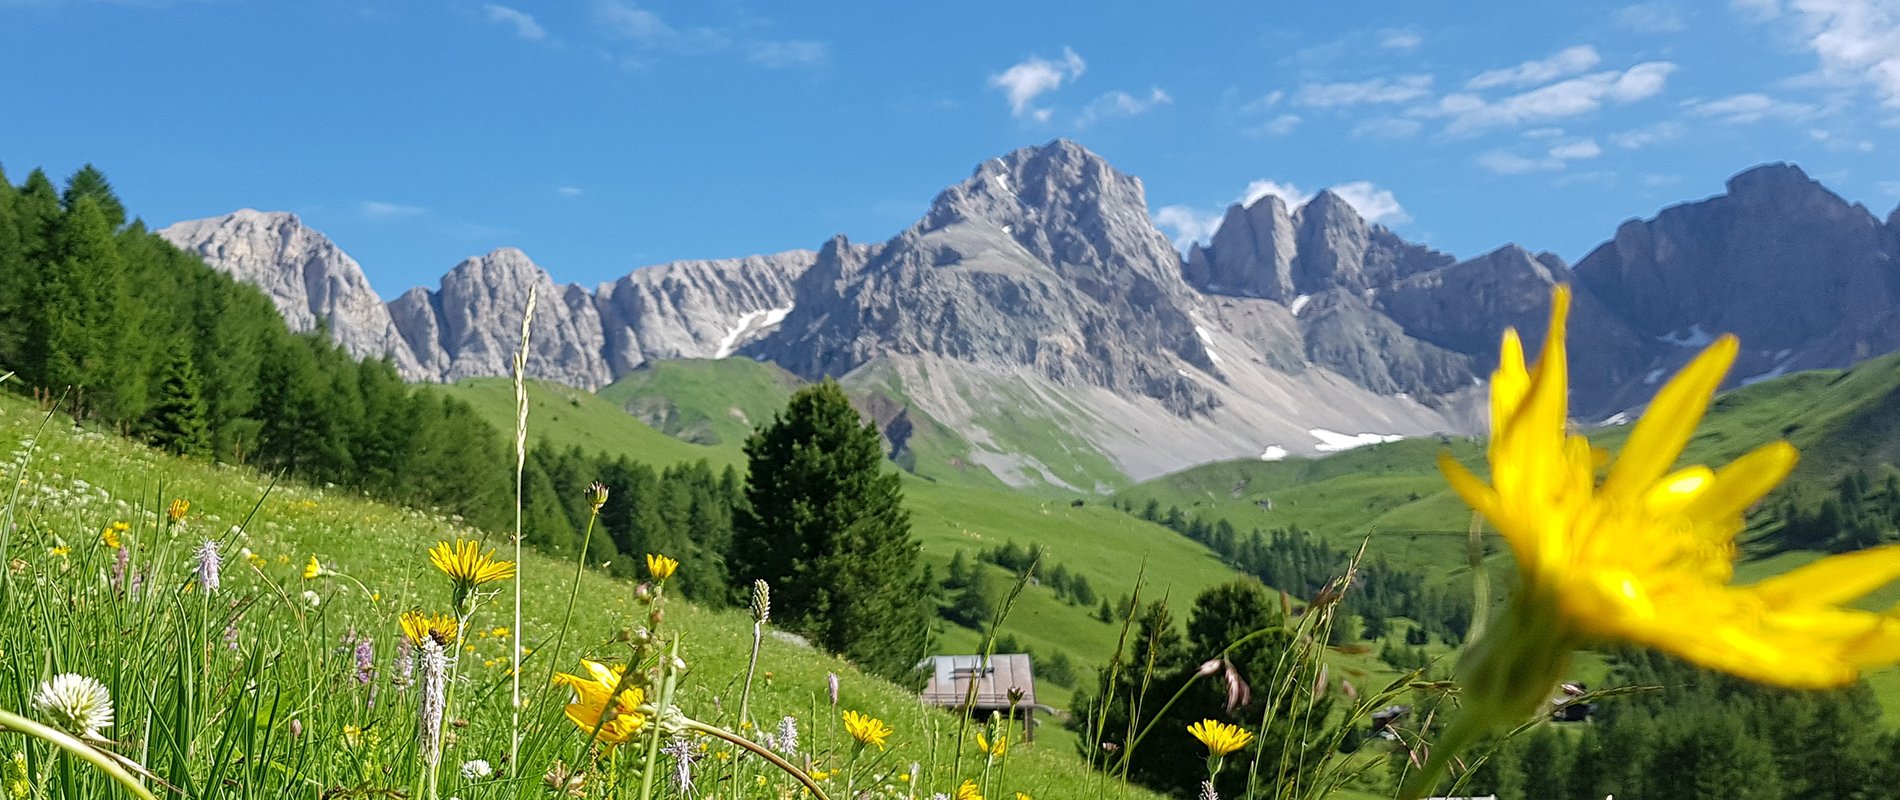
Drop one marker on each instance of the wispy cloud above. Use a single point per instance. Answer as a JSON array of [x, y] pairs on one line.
[[1751, 107], [1387, 128], [569, 191], [1657, 17], [1121, 104], [1288, 193], [789, 53], [1033, 77], [1395, 39], [1278, 126], [523, 23], [646, 29], [378, 209], [1567, 62], [1470, 112], [1373, 203], [1186, 225], [1556, 157], [1189, 225], [1857, 41], [1400, 89], [1655, 133]]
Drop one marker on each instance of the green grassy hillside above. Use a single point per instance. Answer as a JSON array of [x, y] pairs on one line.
[[569, 417], [73, 482], [705, 401]]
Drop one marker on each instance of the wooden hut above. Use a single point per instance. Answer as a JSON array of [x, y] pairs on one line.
[[952, 677]]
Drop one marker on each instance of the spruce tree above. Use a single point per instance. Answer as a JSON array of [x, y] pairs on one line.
[[177, 420], [824, 524], [91, 184]]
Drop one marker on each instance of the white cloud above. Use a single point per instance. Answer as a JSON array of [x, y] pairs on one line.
[[1567, 62], [1023, 82], [1375, 204], [1543, 133], [1857, 41], [568, 191], [645, 28], [1759, 9], [1401, 89], [1288, 193], [1400, 40], [523, 23], [1657, 17], [790, 53], [1188, 226], [377, 209], [1569, 98], [1278, 126], [1387, 128], [1890, 188], [1557, 157], [1264, 102], [1751, 107], [1121, 104], [1638, 138]]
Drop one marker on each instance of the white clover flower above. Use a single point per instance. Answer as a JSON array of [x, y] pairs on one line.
[[75, 703], [476, 770], [312, 598]]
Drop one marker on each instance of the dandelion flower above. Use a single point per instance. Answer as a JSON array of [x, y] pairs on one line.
[[177, 509], [314, 569], [75, 703], [661, 567], [110, 538], [467, 566], [617, 716], [866, 729], [1221, 738], [417, 626], [968, 791], [1644, 555]]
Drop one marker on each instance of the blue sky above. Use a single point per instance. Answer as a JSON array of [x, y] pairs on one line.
[[601, 135]]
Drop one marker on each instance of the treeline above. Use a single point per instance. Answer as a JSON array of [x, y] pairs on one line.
[[1299, 563], [1070, 587], [1701, 735], [685, 511], [126, 331], [1863, 510]]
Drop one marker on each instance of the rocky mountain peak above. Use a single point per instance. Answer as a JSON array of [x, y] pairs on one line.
[[308, 278], [1777, 182]]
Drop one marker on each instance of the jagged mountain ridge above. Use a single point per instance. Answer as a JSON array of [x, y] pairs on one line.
[[1037, 292]]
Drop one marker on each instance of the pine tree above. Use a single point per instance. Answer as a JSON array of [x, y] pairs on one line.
[[824, 524], [91, 184], [177, 420]]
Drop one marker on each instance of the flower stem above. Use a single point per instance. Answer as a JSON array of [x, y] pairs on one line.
[[78, 749], [783, 765]]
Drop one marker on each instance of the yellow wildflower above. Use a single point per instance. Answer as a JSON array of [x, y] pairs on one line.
[[62, 551], [417, 626], [1644, 555], [467, 566], [595, 703], [661, 567], [314, 569], [818, 774], [866, 729], [352, 735], [177, 509], [1023, 796], [121, 526], [110, 538], [968, 791], [498, 631], [996, 748], [1221, 738]]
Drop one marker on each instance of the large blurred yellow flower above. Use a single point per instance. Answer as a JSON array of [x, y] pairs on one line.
[[1646, 554], [467, 565], [595, 703], [993, 748]]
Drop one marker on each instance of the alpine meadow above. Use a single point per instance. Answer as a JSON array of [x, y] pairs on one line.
[[1467, 401]]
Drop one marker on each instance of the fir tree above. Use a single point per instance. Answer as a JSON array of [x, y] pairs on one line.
[[178, 417], [824, 524]]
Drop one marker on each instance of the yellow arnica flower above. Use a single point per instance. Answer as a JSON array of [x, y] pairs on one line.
[[968, 791], [110, 538], [178, 509], [1221, 738], [661, 567], [866, 729], [995, 748], [467, 565], [618, 716], [417, 626], [1647, 553], [314, 569]]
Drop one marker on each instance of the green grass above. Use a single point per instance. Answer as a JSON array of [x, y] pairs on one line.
[[60, 615], [568, 417], [705, 401]]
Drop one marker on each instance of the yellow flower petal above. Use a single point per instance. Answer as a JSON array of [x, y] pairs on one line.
[[1833, 580], [1670, 420]]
